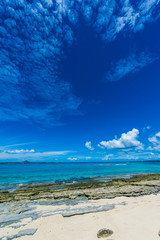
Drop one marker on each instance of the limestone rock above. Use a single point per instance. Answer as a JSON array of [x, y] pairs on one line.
[[103, 233]]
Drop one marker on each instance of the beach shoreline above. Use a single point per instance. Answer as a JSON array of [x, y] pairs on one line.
[[130, 218], [91, 188], [26, 209]]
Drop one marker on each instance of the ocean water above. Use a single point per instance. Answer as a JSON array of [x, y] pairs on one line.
[[13, 175]]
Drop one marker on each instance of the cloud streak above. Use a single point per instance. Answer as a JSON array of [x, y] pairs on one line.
[[129, 65], [17, 151], [108, 156], [32, 155]]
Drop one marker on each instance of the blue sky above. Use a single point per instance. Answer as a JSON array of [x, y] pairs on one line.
[[79, 80]]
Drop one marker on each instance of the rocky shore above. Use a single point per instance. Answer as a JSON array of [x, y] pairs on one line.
[[88, 209], [92, 188]]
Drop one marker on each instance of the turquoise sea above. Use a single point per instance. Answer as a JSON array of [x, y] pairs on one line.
[[13, 175]]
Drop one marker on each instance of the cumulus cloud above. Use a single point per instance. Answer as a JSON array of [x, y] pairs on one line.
[[155, 140], [131, 64], [89, 145], [127, 140]]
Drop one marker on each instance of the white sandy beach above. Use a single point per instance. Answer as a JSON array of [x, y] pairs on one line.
[[138, 219]]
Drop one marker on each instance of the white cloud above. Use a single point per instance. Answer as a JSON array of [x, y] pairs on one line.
[[131, 157], [47, 36], [11, 146], [79, 158], [30, 155], [130, 64], [135, 155], [140, 147], [20, 151], [88, 145], [107, 157], [132, 18], [48, 100], [155, 140], [127, 140], [72, 158], [146, 128], [87, 158]]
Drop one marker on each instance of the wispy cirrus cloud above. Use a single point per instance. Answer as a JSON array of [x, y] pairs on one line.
[[10, 146], [16, 151], [108, 156], [79, 158], [132, 63], [72, 158], [32, 155]]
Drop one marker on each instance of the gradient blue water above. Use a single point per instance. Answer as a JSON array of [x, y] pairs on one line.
[[26, 173]]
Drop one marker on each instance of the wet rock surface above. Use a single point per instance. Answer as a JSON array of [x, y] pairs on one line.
[[90, 189]]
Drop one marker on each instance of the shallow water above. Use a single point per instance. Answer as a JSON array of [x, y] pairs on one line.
[[13, 175]]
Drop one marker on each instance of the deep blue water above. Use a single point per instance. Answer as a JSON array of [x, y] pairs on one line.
[[12, 175]]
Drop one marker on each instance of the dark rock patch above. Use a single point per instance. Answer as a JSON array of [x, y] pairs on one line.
[[103, 233]]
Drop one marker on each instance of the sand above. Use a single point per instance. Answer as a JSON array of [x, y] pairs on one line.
[[138, 218]]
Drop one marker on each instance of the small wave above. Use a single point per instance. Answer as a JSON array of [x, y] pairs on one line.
[[21, 184], [71, 183], [121, 164]]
